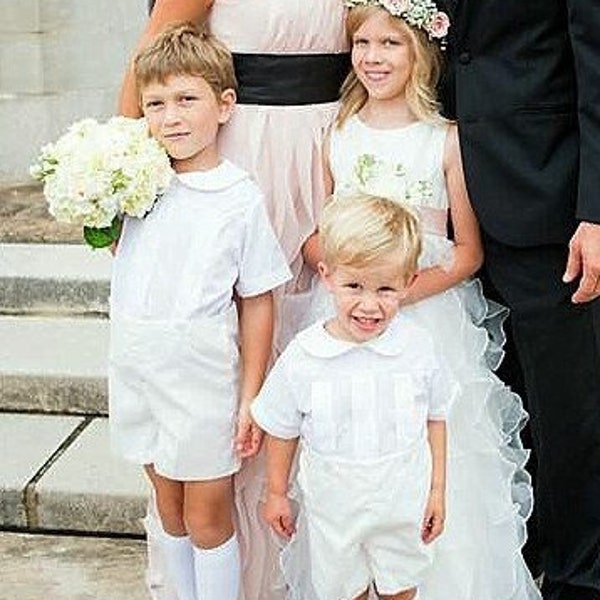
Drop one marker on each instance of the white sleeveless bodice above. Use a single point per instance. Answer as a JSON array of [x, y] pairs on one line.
[[405, 165]]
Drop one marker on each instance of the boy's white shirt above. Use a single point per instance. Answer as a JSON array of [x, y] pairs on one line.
[[357, 402], [209, 234]]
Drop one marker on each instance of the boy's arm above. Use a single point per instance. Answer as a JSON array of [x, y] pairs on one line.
[[277, 511], [256, 337], [435, 512]]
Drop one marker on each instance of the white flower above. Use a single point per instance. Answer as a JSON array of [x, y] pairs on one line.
[[98, 171], [395, 7], [378, 177], [422, 14]]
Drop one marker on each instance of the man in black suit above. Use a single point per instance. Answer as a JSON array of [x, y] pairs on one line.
[[523, 81]]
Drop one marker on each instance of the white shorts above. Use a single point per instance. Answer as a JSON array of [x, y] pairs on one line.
[[173, 395], [358, 524]]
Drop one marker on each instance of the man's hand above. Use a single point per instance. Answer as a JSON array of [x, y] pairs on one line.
[[277, 512], [249, 435], [584, 262]]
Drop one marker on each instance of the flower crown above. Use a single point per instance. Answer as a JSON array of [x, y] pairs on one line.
[[422, 14]]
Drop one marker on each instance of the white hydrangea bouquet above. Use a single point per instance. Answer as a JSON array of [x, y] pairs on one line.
[[98, 172]]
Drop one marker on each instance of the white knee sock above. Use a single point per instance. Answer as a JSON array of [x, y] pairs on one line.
[[218, 571], [157, 577], [179, 558]]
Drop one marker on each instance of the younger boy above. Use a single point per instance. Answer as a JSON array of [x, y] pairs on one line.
[[366, 394]]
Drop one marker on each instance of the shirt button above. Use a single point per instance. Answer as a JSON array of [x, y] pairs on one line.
[[464, 58]]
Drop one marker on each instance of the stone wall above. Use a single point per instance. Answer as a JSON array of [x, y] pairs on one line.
[[60, 60]]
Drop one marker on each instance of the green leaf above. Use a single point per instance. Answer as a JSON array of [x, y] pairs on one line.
[[102, 237]]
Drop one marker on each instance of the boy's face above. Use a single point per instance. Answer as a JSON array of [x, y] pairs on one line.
[[184, 115], [366, 298]]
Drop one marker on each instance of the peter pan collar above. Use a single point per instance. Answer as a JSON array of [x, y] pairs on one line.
[[224, 175], [317, 341]]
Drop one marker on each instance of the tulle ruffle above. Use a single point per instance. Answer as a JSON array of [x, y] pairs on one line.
[[490, 495]]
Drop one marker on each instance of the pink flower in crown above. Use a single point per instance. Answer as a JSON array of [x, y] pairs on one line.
[[395, 7], [439, 25]]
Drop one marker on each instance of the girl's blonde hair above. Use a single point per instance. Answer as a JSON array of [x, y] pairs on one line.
[[361, 229], [185, 49], [424, 76]]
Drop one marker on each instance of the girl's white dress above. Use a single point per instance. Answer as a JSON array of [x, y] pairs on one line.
[[489, 492]]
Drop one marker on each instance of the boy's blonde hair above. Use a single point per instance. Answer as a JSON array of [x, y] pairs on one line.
[[424, 76], [361, 229], [184, 49]]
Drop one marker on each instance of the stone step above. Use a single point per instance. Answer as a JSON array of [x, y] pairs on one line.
[[59, 474], [55, 365], [64, 567], [54, 278]]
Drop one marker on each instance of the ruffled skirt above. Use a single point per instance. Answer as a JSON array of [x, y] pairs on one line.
[[490, 497]]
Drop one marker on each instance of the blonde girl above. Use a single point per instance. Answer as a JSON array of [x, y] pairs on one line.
[[389, 139]]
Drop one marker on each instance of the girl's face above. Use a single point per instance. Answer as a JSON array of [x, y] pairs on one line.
[[382, 57], [184, 115], [366, 298]]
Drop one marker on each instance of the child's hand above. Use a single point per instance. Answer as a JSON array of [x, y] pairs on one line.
[[435, 514], [249, 436], [277, 512]]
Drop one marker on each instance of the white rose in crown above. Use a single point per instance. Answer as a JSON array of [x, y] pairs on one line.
[[98, 172]]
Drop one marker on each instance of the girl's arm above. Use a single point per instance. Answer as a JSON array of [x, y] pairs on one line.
[[164, 13], [435, 512], [311, 251], [278, 511], [468, 249], [256, 338]]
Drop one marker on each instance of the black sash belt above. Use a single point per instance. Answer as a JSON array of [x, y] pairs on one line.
[[290, 79]]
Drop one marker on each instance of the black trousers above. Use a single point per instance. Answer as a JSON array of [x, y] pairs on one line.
[[558, 347]]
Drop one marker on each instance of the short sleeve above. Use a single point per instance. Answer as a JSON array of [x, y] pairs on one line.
[[276, 409], [263, 266], [442, 392]]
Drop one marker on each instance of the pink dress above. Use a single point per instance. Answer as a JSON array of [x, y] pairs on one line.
[[280, 146]]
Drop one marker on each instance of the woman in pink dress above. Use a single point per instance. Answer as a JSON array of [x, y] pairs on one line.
[[290, 58]]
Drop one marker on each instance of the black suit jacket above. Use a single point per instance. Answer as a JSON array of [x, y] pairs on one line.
[[523, 81]]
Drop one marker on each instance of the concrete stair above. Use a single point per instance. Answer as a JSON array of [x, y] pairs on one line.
[[58, 472], [53, 365], [67, 279]]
